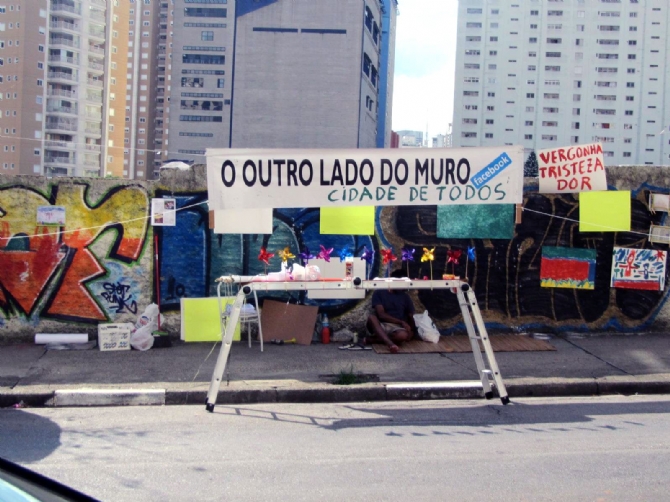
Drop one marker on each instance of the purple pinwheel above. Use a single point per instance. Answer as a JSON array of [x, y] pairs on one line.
[[324, 254], [407, 256], [345, 253], [367, 255], [305, 256]]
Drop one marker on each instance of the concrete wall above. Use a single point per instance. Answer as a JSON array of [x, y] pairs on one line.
[[69, 283]]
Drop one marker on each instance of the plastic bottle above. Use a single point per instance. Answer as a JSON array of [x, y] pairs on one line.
[[325, 330]]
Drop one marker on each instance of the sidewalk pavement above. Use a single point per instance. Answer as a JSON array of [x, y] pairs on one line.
[[581, 365]]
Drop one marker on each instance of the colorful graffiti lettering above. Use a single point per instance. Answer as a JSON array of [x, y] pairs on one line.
[[47, 270]]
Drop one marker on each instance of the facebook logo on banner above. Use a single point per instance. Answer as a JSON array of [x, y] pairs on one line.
[[491, 171]]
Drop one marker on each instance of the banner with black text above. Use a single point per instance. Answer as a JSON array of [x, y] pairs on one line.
[[238, 179]]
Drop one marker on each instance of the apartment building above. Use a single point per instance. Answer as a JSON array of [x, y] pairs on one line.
[[77, 87], [278, 74], [23, 62], [558, 72]]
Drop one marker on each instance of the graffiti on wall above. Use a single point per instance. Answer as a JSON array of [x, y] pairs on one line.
[[192, 256], [505, 274], [63, 272]]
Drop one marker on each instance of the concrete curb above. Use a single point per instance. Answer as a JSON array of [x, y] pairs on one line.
[[281, 392], [109, 397]]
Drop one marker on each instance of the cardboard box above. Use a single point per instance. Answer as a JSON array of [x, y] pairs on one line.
[[283, 321], [114, 336]]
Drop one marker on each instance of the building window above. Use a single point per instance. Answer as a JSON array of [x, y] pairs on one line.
[[207, 36], [206, 12]]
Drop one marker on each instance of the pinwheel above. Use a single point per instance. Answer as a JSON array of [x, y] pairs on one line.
[[305, 256], [368, 256], [387, 258], [324, 254], [453, 257], [407, 256], [345, 253], [285, 254], [264, 256], [429, 256], [471, 256]]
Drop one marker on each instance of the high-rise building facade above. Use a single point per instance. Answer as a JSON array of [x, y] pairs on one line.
[[389, 10], [278, 74], [558, 72], [77, 87]]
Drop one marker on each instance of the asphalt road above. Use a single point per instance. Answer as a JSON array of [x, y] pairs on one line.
[[604, 449]]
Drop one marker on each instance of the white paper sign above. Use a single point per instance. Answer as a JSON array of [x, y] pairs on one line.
[[163, 212], [243, 221], [239, 179], [572, 169], [114, 336], [51, 215]]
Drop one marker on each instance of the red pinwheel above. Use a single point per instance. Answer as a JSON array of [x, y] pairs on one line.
[[388, 256], [264, 256], [454, 255]]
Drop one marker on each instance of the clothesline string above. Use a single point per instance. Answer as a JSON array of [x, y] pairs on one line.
[[604, 227]]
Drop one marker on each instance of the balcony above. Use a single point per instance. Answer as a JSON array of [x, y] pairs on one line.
[[93, 148], [63, 25], [95, 83], [96, 66], [96, 50], [94, 97], [50, 143], [94, 131], [100, 34], [61, 92], [70, 110], [94, 116], [64, 41], [63, 60], [56, 172], [101, 3], [64, 7], [60, 125], [58, 160], [97, 15], [59, 75]]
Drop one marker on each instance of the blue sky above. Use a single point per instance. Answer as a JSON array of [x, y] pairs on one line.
[[424, 65]]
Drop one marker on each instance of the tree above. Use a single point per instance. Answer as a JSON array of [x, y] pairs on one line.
[[530, 167]]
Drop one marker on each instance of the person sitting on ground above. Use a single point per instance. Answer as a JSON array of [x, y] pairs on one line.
[[392, 320]]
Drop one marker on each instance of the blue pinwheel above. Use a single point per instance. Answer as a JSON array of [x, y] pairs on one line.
[[369, 256], [345, 253]]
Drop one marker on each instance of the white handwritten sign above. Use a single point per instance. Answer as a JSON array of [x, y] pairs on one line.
[[51, 215], [239, 179], [114, 336], [571, 169]]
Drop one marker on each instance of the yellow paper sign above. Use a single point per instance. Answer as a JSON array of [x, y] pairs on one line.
[[200, 319], [350, 220], [604, 211]]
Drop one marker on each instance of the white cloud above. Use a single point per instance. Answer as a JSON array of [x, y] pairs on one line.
[[424, 65]]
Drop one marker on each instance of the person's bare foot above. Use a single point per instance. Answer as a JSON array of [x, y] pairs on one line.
[[393, 349]]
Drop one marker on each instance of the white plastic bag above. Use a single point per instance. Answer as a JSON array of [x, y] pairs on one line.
[[427, 330], [141, 337]]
